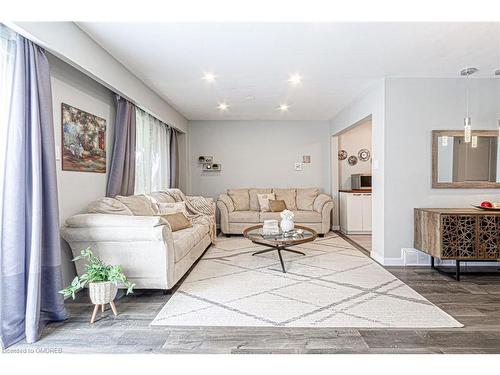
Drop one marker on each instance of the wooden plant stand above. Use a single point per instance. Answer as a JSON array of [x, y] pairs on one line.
[[96, 308]]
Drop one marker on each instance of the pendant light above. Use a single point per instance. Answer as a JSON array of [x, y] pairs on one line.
[[467, 72]]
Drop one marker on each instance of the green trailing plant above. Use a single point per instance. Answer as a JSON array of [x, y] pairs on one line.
[[96, 271]]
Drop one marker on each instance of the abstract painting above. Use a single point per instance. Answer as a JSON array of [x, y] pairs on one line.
[[83, 141]]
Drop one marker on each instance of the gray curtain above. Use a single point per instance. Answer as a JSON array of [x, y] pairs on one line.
[[30, 263], [174, 158], [121, 178]]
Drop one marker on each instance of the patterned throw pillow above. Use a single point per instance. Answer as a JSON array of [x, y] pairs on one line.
[[264, 201], [171, 208], [277, 205]]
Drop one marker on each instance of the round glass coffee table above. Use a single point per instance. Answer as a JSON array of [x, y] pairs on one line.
[[280, 242]]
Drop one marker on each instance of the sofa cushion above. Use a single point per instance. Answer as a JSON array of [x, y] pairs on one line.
[[161, 197], [269, 216], [306, 217], [305, 198], [244, 217], [108, 206], [185, 239], [277, 205], [140, 205], [264, 201], [254, 200], [240, 198], [288, 195]]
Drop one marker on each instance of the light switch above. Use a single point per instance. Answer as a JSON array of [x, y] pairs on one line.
[[298, 166]]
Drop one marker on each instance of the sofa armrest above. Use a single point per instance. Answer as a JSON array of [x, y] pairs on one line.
[[110, 220], [320, 202], [226, 201], [119, 228]]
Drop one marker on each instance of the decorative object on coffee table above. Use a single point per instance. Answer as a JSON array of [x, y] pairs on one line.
[[286, 223], [353, 160], [342, 155], [280, 242], [364, 154], [102, 280]]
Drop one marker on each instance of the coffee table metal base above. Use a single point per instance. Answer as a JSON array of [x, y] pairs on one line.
[[279, 249]]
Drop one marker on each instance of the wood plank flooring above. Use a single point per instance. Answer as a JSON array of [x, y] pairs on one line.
[[475, 302]]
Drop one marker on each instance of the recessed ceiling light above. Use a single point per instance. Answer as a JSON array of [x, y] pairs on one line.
[[223, 107], [284, 107], [295, 79], [209, 77]]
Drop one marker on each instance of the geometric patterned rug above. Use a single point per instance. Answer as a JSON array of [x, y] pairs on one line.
[[333, 285]]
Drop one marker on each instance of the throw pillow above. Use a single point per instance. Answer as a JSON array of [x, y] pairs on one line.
[[254, 201], [305, 198], [108, 206], [240, 198], [177, 221], [277, 205], [171, 208], [264, 201], [288, 195], [140, 205]]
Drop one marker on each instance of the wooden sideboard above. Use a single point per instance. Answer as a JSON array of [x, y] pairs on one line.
[[460, 234]]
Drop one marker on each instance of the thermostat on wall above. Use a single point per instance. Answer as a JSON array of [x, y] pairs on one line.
[[298, 166]]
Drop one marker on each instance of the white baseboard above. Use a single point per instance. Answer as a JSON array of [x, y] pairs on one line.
[[335, 227]]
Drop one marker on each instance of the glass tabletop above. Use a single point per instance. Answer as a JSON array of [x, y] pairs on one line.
[[299, 234]]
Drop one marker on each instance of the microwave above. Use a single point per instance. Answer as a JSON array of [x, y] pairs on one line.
[[361, 181]]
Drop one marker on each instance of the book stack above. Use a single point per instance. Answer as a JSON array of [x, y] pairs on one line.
[[270, 227]]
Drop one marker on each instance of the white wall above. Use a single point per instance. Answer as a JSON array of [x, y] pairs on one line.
[[77, 189], [353, 140], [414, 107], [68, 42], [372, 104], [259, 154]]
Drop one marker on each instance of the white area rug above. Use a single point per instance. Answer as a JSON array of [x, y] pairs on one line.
[[334, 285]]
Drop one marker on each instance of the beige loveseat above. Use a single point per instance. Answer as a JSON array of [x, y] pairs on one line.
[[134, 236], [240, 209]]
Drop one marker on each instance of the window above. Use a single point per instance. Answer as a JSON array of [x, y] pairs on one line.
[[152, 157]]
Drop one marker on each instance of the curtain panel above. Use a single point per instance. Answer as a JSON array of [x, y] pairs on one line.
[[152, 157], [121, 178], [174, 158], [30, 256]]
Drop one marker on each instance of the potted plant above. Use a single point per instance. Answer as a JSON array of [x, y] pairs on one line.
[[102, 280]]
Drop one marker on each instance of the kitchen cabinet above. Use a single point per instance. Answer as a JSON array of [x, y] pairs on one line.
[[355, 212]]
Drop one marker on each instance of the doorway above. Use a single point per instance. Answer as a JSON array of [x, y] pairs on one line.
[[351, 183]]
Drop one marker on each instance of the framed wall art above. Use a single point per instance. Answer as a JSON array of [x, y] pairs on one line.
[[83, 140]]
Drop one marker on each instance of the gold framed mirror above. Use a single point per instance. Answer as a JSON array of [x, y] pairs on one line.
[[457, 164]]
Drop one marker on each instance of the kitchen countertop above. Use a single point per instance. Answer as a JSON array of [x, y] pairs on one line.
[[355, 190]]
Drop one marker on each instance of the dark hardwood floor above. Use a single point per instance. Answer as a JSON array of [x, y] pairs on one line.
[[475, 302]]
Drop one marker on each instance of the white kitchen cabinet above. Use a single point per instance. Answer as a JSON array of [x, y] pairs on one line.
[[355, 212]]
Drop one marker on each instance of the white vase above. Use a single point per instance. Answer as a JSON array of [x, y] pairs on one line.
[[103, 292], [286, 225]]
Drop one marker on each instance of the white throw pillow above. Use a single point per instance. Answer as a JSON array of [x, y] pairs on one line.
[[264, 201], [171, 208]]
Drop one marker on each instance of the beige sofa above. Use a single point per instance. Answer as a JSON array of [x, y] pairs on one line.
[[152, 256], [239, 208]]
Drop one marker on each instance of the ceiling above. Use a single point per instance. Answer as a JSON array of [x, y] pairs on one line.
[[339, 62]]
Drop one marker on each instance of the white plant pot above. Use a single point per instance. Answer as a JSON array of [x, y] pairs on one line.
[[286, 225], [103, 292]]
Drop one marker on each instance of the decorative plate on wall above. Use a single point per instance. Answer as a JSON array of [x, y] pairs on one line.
[[342, 154], [364, 154], [353, 160]]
